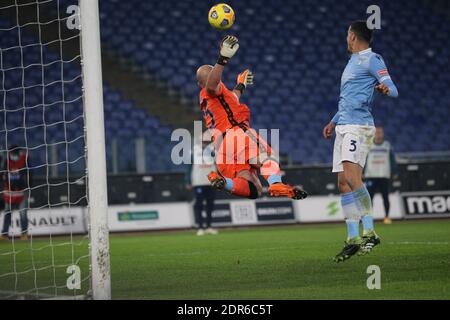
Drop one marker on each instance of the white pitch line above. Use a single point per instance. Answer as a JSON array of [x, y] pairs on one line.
[[431, 243]]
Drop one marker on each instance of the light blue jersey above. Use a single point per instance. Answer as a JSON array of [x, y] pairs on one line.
[[363, 72]]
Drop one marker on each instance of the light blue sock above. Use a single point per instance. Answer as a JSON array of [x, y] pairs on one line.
[[352, 228], [364, 201], [365, 207], [275, 178], [349, 204], [367, 222], [229, 184], [352, 214]]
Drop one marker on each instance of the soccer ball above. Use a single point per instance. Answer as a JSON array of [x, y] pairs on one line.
[[221, 16]]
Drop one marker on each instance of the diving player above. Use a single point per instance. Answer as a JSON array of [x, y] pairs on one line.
[[240, 151]]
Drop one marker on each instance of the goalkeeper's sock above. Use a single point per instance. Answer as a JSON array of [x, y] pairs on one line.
[[241, 187], [229, 184], [270, 170]]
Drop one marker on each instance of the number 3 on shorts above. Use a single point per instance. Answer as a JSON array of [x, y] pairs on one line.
[[353, 146]]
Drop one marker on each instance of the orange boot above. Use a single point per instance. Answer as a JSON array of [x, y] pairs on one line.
[[284, 190], [217, 181]]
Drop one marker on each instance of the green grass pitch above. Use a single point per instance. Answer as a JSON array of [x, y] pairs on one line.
[[276, 262]]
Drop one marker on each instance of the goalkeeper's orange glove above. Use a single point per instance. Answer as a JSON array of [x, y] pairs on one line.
[[244, 79]]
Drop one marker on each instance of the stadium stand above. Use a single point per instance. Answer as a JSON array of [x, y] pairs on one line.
[[297, 64], [34, 116]]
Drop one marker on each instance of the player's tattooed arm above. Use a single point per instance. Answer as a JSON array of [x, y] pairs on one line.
[[213, 81]]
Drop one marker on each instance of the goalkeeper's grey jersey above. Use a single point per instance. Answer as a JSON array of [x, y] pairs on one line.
[[378, 163]]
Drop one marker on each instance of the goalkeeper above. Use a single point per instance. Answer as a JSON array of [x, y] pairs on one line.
[[240, 151]]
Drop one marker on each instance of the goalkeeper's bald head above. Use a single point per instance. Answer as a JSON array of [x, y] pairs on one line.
[[202, 74]]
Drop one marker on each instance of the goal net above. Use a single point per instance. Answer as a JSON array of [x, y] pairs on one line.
[[54, 236]]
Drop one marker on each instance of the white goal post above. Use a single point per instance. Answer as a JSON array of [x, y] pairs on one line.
[[96, 154], [54, 234]]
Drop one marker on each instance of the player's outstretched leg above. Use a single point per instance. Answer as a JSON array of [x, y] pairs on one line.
[[270, 170], [284, 190], [238, 186], [216, 180]]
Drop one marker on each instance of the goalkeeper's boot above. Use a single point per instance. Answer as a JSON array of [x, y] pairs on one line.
[[284, 190], [369, 241], [352, 246], [216, 180]]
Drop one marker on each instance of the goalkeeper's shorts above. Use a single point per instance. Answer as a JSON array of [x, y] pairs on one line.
[[239, 150]]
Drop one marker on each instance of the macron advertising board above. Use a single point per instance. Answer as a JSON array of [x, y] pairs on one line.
[[431, 204], [239, 212]]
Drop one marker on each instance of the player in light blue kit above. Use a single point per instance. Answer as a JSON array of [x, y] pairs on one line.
[[354, 126]]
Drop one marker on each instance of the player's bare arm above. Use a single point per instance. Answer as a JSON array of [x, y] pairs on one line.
[[214, 78], [228, 49]]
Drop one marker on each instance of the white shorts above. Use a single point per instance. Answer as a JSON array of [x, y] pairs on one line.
[[352, 143]]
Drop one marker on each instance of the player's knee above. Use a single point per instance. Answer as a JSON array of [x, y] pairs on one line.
[[263, 157], [255, 191], [254, 161]]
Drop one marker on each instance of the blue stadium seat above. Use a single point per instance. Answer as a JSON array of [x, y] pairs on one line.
[[297, 77]]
